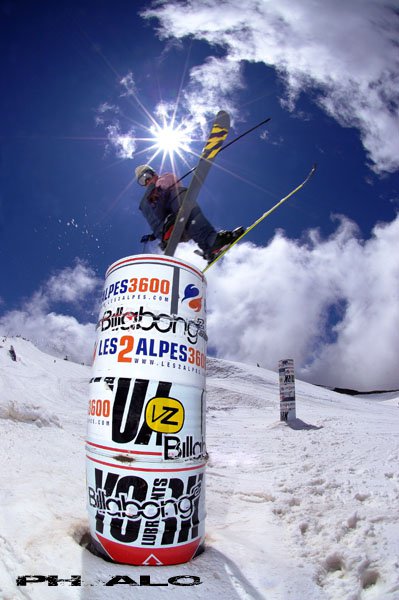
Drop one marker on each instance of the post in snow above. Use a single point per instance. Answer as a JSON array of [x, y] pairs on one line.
[[287, 389]]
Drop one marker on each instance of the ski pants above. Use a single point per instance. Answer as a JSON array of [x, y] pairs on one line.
[[198, 227]]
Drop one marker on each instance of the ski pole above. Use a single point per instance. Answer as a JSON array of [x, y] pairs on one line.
[[229, 144]]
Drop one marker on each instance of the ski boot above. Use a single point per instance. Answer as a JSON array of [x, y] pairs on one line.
[[224, 239]]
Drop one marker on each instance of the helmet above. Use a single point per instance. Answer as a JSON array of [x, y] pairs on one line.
[[142, 171]]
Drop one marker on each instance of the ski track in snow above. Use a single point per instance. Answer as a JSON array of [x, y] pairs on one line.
[[307, 511]]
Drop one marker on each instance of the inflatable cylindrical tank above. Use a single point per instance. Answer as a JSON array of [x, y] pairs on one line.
[[145, 442]]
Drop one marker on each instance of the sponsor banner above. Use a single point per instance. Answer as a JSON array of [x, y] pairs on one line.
[[150, 355], [287, 389], [146, 433], [287, 405], [152, 321], [158, 283], [146, 420], [141, 515], [129, 319], [287, 411]]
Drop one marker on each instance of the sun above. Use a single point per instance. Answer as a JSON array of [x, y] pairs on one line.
[[171, 140]]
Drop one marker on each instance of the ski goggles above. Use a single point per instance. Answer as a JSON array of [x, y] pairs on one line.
[[145, 177]]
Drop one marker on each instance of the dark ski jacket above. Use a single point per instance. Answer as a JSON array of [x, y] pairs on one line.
[[159, 202]]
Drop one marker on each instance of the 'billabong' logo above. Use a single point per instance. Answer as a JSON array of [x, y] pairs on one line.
[[191, 293]]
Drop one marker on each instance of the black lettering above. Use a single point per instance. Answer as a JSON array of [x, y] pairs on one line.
[[53, 580], [185, 527], [125, 579], [146, 580], [160, 482], [109, 485], [194, 580], [136, 403], [145, 432], [130, 532], [166, 416], [177, 489], [24, 579]]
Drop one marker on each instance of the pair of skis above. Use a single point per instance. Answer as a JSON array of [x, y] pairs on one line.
[[218, 134], [213, 146]]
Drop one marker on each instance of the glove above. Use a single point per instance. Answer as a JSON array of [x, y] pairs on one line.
[[154, 196], [150, 237]]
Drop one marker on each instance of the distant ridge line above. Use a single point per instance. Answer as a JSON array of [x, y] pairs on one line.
[[351, 392]]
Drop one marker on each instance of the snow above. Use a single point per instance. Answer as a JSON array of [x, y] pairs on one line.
[[306, 511]]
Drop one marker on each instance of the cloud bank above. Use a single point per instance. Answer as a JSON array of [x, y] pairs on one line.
[[331, 304], [344, 53], [59, 334], [190, 111]]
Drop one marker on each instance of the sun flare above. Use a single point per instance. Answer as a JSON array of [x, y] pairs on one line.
[[171, 140]]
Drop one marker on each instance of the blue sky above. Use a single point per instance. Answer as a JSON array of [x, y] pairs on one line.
[[82, 81]]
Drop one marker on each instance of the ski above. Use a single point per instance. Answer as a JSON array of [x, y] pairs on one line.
[[218, 134], [266, 214]]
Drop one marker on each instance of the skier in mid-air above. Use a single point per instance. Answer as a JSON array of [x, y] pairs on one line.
[[160, 205]]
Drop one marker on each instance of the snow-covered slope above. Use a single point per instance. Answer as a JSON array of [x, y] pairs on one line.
[[302, 512]]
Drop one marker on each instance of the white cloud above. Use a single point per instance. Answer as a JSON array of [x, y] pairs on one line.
[[107, 107], [218, 77], [124, 143], [211, 88], [71, 284], [128, 84], [57, 333], [102, 110], [122, 140], [331, 304], [344, 52]]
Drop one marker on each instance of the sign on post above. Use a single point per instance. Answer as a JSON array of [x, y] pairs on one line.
[[287, 389]]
